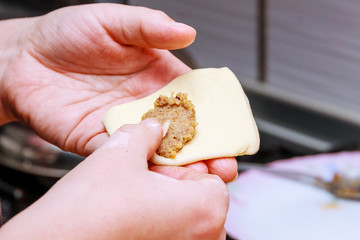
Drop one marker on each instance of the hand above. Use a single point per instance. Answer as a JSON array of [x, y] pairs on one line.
[[112, 195], [77, 62], [71, 65]]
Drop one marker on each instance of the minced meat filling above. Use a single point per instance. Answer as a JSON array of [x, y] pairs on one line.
[[181, 113]]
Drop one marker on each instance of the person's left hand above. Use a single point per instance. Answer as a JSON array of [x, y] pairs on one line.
[[73, 64]]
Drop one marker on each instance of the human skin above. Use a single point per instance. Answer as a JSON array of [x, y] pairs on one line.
[[60, 73], [113, 195]]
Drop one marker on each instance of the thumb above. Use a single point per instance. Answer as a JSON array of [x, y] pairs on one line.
[[132, 144], [144, 27]]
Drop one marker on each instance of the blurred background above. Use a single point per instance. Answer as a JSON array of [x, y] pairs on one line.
[[298, 62]]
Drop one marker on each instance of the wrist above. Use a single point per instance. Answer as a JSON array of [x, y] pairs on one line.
[[14, 33]]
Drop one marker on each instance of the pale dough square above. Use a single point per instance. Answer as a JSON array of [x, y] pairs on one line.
[[226, 126]]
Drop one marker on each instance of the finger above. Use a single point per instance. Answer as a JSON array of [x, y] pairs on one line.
[[132, 144], [225, 168], [144, 27], [95, 142], [209, 189], [203, 195], [179, 173], [198, 166]]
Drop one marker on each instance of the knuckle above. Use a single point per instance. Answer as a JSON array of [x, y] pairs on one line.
[[152, 12], [219, 188], [213, 211], [160, 13], [212, 222]]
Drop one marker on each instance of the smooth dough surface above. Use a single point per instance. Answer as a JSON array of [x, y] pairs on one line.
[[226, 126]]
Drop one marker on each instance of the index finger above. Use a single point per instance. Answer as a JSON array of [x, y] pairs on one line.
[[225, 168]]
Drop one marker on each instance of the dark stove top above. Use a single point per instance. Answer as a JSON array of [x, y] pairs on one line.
[[19, 190]]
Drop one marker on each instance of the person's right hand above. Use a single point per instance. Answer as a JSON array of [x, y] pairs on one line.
[[113, 195]]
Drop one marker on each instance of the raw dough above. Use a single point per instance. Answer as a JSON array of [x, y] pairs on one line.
[[225, 127]]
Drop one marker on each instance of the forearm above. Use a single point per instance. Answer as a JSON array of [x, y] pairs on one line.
[[13, 35]]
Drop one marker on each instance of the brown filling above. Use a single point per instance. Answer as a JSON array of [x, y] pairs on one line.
[[181, 113]]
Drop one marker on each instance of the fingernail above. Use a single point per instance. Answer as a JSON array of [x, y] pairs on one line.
[[151, 122], [165, 128]]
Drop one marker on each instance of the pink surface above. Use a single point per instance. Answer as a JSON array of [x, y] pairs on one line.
[[264, 206]]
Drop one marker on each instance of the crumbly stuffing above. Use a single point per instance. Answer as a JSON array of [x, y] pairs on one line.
[[180, 111]]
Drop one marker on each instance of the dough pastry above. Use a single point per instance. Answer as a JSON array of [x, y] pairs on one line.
[[226, 126]]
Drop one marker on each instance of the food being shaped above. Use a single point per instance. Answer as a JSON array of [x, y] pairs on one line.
[[180, 113], [226, 126]]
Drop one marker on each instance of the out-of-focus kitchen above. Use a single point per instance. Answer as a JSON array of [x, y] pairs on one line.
[[299, 65]]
